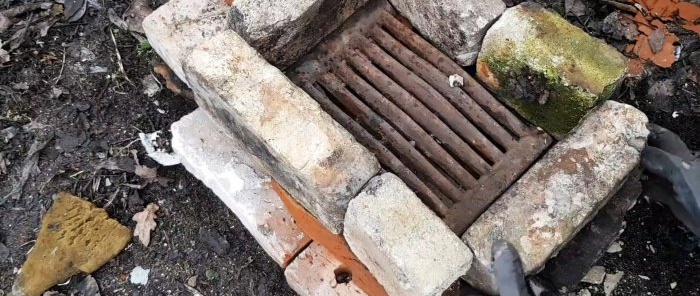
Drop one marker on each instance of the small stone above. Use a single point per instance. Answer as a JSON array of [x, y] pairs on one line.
[[214, 241], [192, 281], [595, 276], [456, 80], [139, 276], [454, 26], [551, 72], [644, 277], [615, 248], [89, 287], [75, 237], [611, 281], [673, 285]]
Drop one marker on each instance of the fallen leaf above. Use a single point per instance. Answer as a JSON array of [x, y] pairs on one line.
[[688, 11], [656, 40], [149, 174], [74, 10], [4, 23], [116, 20], [145, 223], [4, 56], [167, 74]]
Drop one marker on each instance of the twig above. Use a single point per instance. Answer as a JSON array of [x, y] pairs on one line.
[[63, 65], [111, 199], [621, 6], [119, 57]]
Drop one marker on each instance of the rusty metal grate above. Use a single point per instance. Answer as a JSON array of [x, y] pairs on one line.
[[457, 147]]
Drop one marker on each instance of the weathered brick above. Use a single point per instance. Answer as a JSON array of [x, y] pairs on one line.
[[220, 162], [179, 25], [315, 272], [562, 192], [335, 244], [403, 243], [302, 147], [283, 31], [548, 70], [454, 26]]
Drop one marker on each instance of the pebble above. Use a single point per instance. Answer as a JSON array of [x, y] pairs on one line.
[[611, 281], [615, 247], [595, 276], [139, 276], [673, 285], [89, 286], [192, 281], [644, 277]]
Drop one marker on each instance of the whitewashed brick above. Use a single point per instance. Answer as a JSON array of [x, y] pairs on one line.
[[179, 25], [302, 147], [403, 243], [220, 162], [561, 193]]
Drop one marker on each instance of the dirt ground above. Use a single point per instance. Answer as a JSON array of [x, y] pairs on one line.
[[97, 116]]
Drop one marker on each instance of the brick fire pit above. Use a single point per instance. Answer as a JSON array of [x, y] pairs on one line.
[[364, 160]]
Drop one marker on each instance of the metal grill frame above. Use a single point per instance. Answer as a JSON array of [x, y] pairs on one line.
[[459, 148]]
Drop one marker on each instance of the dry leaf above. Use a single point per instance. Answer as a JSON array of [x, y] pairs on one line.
[[145, 223]]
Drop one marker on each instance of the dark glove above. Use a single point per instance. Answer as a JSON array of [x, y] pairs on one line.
[[673, 176]]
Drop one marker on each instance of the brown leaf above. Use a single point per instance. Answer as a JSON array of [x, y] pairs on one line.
[[150, 175], [145, 223], [170, 80]]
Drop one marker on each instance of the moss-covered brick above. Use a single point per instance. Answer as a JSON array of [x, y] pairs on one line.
[[548, 70]]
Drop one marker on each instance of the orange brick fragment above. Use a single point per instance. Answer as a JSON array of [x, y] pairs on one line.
[[693, 28], [334, 243], [635, 68], [689, 11], [667, 56]]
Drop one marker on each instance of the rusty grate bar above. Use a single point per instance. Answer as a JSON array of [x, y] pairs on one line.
[[457, 147]]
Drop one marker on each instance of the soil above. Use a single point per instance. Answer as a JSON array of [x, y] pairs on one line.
[[98, 117]]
